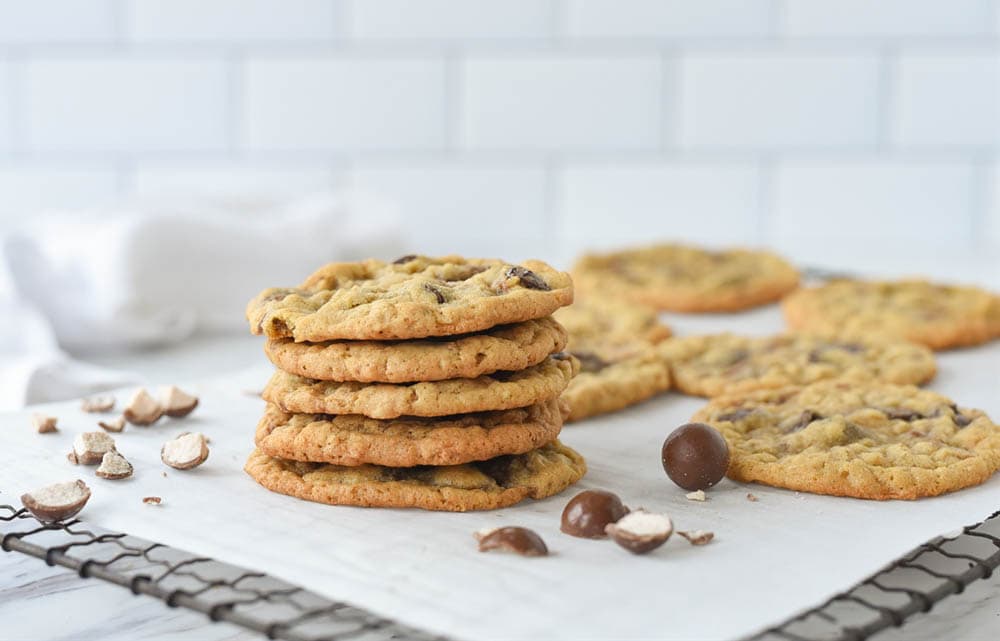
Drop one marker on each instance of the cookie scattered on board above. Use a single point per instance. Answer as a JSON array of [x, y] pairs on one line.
[[684, 278], [408, 441], [613, 341], [497, 391], [936, 315], [872, 441], [412, 297], [486, 485], [716, 364], [503, 348]]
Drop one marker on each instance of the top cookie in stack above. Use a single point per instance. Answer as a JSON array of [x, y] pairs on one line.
[[426, 382]]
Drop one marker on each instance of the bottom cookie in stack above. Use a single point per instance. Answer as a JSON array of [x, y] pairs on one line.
[[480, 461]]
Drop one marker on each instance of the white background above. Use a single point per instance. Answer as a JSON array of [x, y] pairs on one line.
[[525, 127]]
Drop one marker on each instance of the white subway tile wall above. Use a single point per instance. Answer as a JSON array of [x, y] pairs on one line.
[[343, 103], [781, 100], [947, 100], [523, 127], [560, 103], [110, 104]]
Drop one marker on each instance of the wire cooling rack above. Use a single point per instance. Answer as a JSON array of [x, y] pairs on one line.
[[280, 610], [908, 586], [223, 592]]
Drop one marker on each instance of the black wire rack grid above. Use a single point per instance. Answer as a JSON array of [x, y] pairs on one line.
[[901, 590], [223, 592]]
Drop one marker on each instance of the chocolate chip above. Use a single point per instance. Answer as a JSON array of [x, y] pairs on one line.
[[736, 356], [853, 433], [735, 415], [805, 418], [437, 292], [590, 362], [902, 414], [499, 468], [518, 540], [588, 514], [404, 259], [961, 420], [816, 355], [528, 278], [695, 456]]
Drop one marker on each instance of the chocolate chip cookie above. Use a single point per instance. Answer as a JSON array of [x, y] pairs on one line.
[[618, 367], [719, 364], [503, 348], [496, 391], [687, 279], [938, 316], [405, 442], [412, 297], [873, 441], [485, 485]]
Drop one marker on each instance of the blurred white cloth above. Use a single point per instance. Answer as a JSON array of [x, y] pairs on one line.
[[35, 370], [152, 275]]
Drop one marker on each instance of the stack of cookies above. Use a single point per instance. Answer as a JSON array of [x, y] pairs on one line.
[[430, 383]]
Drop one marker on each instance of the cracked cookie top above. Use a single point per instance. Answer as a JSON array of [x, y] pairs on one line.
[[412, 297], [936, 315], [688, 279], [874, 441], [716, 364]]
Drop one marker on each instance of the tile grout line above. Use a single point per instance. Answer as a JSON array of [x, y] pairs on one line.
[[16, 79], [119, 13], [343, 18], [979, 211], [452, 112], [557, 23], [767, 175], [235, 69], [671, 98], [554, 167], [886, 91]]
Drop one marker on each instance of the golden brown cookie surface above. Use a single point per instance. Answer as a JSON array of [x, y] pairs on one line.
[[497, 391], [716, 364], [874, 441], [938, 316], [412, 297], [409, 441], [503, 348], [684, 278], [613, 340], [486, 485]]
